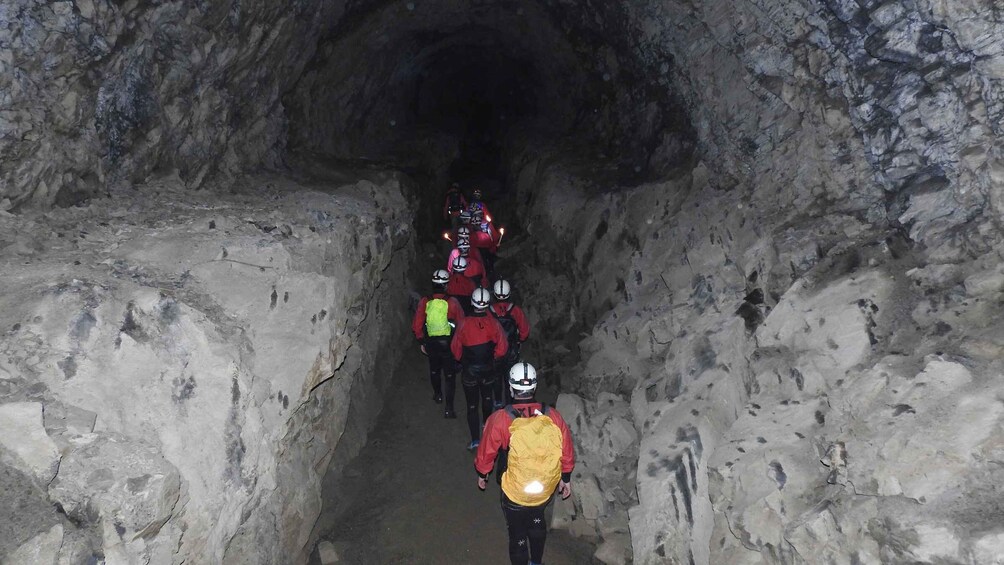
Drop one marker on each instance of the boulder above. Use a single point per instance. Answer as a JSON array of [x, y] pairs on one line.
[[24, 443]]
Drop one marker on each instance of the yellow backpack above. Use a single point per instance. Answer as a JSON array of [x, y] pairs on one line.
[[436, 322], [533, 463]]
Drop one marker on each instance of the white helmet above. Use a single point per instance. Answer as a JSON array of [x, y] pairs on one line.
[[459, 264], [480, 298], [440, 277], [464, 243], [501, 289], [523, 377], [463, 231]]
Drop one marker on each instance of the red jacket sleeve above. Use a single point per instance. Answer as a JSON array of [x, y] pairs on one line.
[[493, 438], [456, 311], [418, 322], [456, 347], [567, 446], [501, 341], [521, 324]]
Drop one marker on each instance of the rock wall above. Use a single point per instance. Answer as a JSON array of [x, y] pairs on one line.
[[100, 92], [888, 111], [183, 364], [818, 390], [768, 311]]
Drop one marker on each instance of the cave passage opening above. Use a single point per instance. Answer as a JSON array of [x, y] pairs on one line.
[[475, 93], [450, 92]]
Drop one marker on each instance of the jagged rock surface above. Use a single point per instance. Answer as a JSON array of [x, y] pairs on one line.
[[100, 92], [195, 355], [821, 390]]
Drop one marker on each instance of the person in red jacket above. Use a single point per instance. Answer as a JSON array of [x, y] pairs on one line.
[[433, 328], [454, 204], [475, 268], [477, 208], [464, 249], [477, 343], [459, 286], [533, 465], [516, 328], [484, 236]]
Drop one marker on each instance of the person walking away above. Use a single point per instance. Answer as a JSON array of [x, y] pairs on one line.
[[464, 243], [517, 330], [535, 457], [454, 204], [478, 208], [433, 325], [475, 268], [478, 342], [483, 233], [459, 286]]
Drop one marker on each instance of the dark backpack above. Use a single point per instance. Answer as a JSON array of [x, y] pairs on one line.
[[454, 201], [511, 330]]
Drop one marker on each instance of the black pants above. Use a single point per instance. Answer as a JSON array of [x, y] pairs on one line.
[[441, 362], [479, 386], [527, 531]]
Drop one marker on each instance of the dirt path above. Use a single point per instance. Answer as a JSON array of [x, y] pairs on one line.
[[411, 494]]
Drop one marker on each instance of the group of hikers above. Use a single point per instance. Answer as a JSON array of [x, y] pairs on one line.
[[470, 325]]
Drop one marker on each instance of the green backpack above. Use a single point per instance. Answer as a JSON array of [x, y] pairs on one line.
[[437, 323]]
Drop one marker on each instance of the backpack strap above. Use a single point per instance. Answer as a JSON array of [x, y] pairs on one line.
[[544, 408]]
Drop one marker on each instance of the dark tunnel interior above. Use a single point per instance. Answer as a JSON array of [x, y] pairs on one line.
[[448, 93]]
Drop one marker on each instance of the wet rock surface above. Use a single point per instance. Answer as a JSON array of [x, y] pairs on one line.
[[192, 355]]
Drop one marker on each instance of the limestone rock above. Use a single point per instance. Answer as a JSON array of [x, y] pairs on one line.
[[989, 549], [220, 351], [832, 326], [25, 510], [127, 484], [24, 442], [70, 420], [589, 497], [42, 549]]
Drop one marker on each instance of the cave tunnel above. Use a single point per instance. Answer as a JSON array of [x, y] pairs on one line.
[[759, 245]]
